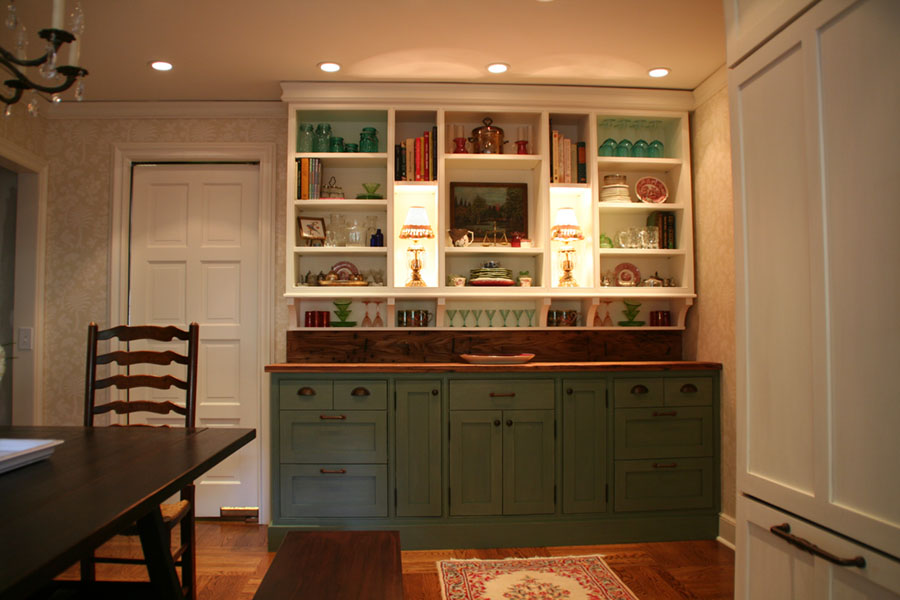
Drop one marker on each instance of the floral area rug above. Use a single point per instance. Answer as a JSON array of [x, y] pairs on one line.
[[544, 578]]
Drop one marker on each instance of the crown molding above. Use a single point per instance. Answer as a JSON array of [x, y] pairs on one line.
[[475, 95], [710, 86], [166, 110]]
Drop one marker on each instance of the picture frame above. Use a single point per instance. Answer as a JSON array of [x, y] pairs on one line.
[[496, 210], [311, 228]]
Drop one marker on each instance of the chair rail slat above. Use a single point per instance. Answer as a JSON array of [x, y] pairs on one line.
[[121, 407], [134, 357], [127, 382], [128, 333]]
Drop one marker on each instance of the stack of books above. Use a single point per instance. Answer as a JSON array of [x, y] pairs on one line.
[[666, 223], [309, 178], [415, 159], [568, 159]]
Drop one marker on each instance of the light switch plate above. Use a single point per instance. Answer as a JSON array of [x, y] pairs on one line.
[[25, 338]]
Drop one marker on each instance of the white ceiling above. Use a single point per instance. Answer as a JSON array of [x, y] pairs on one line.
[[242, 49]]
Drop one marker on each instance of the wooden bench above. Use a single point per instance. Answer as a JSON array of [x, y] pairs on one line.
[[335, 565]]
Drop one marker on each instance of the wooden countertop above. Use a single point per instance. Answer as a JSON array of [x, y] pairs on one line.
[[532, 367]]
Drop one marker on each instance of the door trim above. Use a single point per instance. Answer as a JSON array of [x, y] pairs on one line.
[[33, 172], [124, 157]]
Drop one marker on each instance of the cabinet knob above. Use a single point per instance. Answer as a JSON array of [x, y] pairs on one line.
[[496, 422], [360, 391], [509, 422], [689, 388], [570, 391], [639, 389], [306, 391], [434, 392]]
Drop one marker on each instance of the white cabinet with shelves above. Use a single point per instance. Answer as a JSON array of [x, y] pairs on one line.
[[397, 121]]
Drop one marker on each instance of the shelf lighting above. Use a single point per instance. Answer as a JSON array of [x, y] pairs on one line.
[[566, 230], [415, 228]]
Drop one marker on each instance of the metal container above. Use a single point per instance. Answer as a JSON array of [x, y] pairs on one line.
[[487, 138]]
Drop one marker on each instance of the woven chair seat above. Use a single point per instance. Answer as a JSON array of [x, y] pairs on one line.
[[171, 516]]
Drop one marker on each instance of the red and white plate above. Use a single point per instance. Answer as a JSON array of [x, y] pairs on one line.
[[497, 359], [345, 270], [627, 275], [651, 190]]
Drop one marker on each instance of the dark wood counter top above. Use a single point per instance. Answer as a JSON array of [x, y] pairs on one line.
[[454, 367]]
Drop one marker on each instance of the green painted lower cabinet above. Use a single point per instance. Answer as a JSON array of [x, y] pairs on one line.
[[498, 459]]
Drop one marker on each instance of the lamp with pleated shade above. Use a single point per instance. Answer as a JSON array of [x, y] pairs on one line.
[[415, 228]]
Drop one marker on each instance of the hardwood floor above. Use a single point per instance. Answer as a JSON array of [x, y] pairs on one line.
[[232, 560]]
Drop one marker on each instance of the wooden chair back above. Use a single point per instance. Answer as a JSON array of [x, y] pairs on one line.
[[130, 358]]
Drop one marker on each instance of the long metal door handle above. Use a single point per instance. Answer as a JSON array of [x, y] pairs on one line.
[[670, 413], [333, 417], [502, 394], [332, 471], [784, 532], [665, 465]]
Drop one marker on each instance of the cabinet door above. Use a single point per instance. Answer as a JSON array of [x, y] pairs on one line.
[[584, 446], [529, 484], [783, 570], [816, 356], [749, 22], [418, 442], [476, 462]]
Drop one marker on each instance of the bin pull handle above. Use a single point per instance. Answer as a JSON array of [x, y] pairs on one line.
[[784, 532]]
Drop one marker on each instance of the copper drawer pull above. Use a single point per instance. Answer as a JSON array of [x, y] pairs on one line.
[[332, 417], [639, 389], [332, 471], [360, 391], [306, 391], [689, 388], [665, 465], [784, 532], [502, 394], [672, 413]]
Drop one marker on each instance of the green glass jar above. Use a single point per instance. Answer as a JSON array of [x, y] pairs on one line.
[[305, 136], [368, 140]]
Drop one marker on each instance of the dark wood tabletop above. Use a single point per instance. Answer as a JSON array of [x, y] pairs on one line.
[[99, 481]]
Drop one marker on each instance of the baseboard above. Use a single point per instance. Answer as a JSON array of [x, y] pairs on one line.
[[727, 526]]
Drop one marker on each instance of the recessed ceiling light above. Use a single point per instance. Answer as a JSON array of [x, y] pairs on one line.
[[658, 72], [330, 67], [498, 67], [161, 65]]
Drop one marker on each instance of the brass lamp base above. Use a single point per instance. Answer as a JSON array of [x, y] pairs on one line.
[[416, 280], [567, 280]]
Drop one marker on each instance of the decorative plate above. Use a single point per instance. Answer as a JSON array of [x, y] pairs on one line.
[[651, 190], [627, 275], [497, 359], [491, 281], [344, 270]]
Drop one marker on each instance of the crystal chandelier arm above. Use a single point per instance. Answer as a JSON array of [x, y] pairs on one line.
[[8, 58], [23, 83]]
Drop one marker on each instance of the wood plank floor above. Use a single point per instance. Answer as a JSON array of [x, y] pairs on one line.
[[232, 560]]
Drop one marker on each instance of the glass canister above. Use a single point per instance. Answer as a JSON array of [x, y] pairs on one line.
[[355, 234], [368, 140], [322, 141], [336, 144], [305, 136]]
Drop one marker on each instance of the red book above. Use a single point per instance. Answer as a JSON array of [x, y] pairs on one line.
[[418, 159], [426, 156]]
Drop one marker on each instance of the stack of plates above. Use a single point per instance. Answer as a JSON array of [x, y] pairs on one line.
[[615, 193], [491, 276]]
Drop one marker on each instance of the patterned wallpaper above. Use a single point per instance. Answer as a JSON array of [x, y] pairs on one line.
[[78, 232], [710, 322]]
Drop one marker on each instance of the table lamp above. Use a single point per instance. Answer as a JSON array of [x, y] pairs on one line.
[[564, 230], [415, 228]]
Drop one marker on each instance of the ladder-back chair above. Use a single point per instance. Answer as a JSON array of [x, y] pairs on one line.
[[180, 513]]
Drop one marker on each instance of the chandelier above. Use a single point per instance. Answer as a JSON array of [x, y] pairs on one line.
[[51, 78]]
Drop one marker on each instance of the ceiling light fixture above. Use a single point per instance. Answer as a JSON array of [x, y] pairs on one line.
[[161, 65], [658, 72], [330, 67], [498, 67], [55, 36]]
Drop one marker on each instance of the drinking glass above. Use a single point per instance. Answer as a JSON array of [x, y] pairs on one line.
[[378, 322], [650, 237], [367, 321], [504, 312], [529, 312], [518, 314], [451, 314], [490, 312], [640, 148], [607, 148], [464, 313], [477, 314], [623, 148], [656, 148]]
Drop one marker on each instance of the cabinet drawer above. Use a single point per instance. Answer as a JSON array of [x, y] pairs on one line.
[[637, 392], [501, 393], [299, 394], [663, 432], [360, 395], [358, 436], [334, 490], [689, 391], [666, 484]]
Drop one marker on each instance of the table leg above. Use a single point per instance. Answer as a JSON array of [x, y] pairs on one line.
[[157, 553]]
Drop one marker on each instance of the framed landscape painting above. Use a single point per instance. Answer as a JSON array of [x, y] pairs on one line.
[[488, 207]]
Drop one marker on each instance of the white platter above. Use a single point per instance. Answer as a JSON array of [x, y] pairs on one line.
[[15, 453]]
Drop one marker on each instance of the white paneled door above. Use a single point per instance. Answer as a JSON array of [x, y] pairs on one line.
[[194, 249]]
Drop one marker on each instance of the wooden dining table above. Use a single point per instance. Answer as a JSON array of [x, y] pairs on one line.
[[94, 485]]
